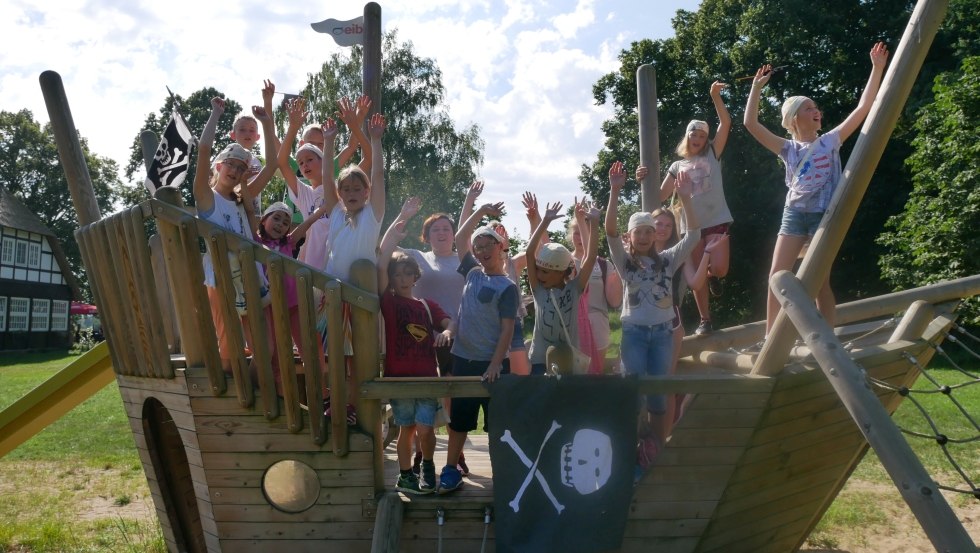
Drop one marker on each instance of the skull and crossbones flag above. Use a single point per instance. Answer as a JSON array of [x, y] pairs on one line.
[[563, 453], [172, 158]]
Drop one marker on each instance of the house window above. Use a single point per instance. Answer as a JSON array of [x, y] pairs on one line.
[[3, 313], [8, 250], [20, 253], [34, 255], [18, 314], [40, 316], [59, 315]]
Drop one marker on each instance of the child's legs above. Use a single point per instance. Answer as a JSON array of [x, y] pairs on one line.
[[427, 441], [720, 255], [519, 363], [633, 348], [406, 435], [702, 301], [783, 258], [220, 329]]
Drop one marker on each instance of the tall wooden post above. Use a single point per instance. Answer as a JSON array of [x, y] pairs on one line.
[[895, 87], [371, 77], [69, 149], [646, 103]]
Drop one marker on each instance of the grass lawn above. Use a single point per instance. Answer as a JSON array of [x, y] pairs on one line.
[[78, 485]]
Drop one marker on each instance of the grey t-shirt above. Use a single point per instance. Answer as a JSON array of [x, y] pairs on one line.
[[647, 294], [708, 195], [547, 328], [487, 299], [440, 282]]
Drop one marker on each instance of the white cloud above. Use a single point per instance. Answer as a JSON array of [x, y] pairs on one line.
[[522, 70]]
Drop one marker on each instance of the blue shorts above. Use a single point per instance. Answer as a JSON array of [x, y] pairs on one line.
[[464, 412], [412, 411], [647, 350], [799, 223]]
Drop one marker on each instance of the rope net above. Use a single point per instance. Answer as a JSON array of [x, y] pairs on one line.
[[953, 429]]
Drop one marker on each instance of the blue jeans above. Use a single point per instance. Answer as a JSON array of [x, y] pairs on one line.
[[647, 351], [799, 223]]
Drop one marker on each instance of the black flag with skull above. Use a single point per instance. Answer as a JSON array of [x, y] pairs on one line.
[[563, 452], [172, 158]]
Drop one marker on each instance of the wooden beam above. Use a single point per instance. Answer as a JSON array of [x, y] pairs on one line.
[[850, 381], [388, 524], [646, 100]]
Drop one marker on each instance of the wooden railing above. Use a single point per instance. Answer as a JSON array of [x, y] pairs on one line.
[[127, 276]]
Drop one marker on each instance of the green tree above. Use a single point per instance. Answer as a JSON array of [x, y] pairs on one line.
[[825, 54], [196, 109], [30, 169], [425, 154], [936, 237]]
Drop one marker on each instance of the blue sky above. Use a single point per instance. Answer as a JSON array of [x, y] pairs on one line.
[[522, 70]]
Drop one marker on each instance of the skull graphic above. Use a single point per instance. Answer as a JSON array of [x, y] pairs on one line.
[[587, 461]]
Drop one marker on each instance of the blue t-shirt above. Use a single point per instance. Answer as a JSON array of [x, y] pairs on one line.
[[487, 299]]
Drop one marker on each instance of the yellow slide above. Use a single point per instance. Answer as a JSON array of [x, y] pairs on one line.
[[54, 397]]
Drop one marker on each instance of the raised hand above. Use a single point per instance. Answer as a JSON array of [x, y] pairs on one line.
[[493, 210], [714, 241], [297, 112], [762, 76], [642, 172], [530, 203], [398, 231], [716, 88], [475, 190], [260, 114], [617, 177], [683, 183], [362, 108], [879, 55], [552, 212], [218, 105], [376, 127], [268, 90], [329, 128], [410, 207], [348, 111]]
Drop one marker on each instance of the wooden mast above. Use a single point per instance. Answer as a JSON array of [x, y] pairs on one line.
[[646, 103], [895, 88]]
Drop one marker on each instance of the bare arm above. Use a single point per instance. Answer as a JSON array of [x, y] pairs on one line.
[[258, 184], [551, 213], [300, 230], [500, 352], [395, 234], [592, 217], [617, 178], [879, 58], [613, 287], [330, 197], [297, 114], [472, 193], [203, 197], [724, 119], [769, 140]]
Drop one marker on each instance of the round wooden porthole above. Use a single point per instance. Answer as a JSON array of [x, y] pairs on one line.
[[291, 486]]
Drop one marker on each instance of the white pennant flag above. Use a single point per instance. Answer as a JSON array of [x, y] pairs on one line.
[[344, 33]]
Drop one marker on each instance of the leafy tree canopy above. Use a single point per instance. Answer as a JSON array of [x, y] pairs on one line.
[[30, 168]]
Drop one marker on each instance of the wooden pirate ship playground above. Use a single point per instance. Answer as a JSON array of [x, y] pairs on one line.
[[765, 445]]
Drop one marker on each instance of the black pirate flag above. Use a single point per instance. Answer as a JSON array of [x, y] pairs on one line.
[[563, 453], [172, 158]]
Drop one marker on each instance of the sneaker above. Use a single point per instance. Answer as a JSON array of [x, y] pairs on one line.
[[704, 328], [461, 466], [450, 479], [754, 348], [427, 483], [410, 484], [417, 463], [716, 286]]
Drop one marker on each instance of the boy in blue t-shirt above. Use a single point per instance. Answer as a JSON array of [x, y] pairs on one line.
[[485, 328]]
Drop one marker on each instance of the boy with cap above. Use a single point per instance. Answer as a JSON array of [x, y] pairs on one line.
[[485, 328], [556, 294]]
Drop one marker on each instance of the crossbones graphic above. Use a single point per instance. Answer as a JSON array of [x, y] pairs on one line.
[[533, 471]]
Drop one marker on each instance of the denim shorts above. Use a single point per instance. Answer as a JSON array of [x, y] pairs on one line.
[[411, 411], [647, 350], [799, 223]]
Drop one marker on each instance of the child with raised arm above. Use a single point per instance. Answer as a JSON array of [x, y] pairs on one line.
[[556, 294], [225, 200], [413, 328], [647, 312], [485, 327], [700, 162], [273, 233], [309, 197], [813, 169]]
